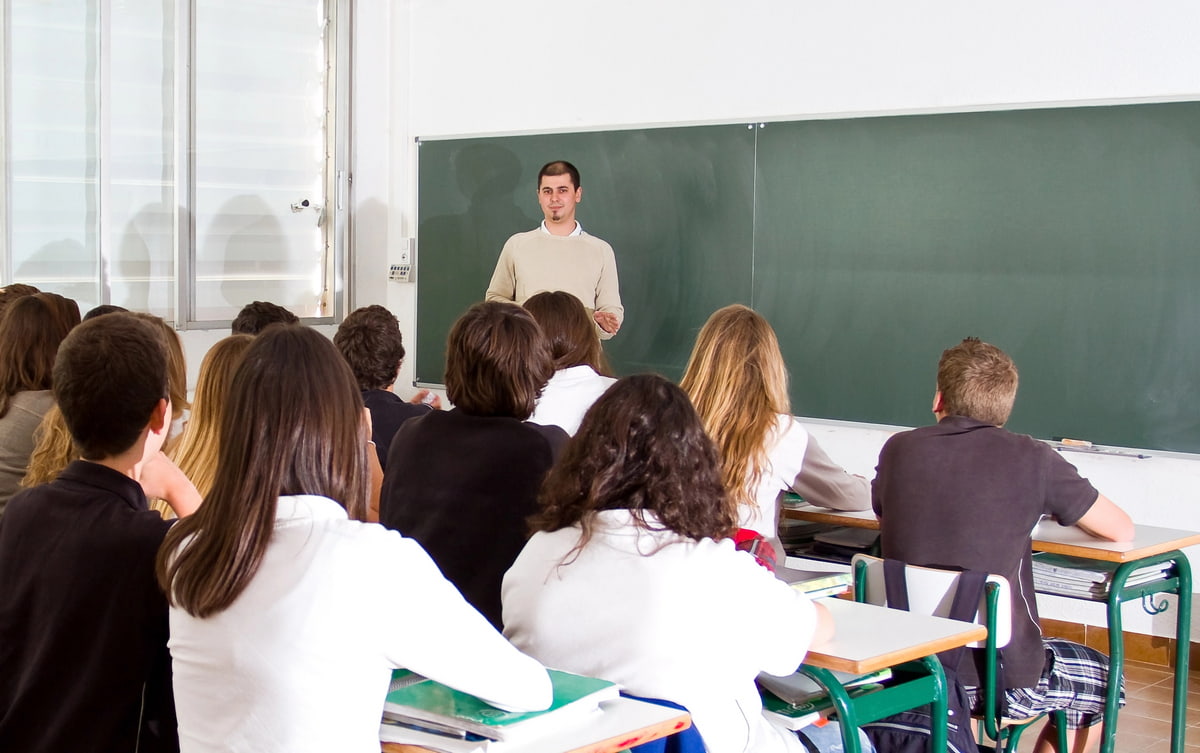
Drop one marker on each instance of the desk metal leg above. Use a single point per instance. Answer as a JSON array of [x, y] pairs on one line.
[[916, 692], [1179, 583], [842, 704]]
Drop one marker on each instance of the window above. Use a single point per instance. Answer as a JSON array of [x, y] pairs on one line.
[[176, 156]]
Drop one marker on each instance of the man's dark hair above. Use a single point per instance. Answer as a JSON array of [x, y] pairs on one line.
[[257, 316], [102, 309], [497, 361], [109, 375], [370, 341], [559, 167]]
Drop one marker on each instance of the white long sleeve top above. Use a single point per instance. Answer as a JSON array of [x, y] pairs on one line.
[[665, 616], [301, 660]]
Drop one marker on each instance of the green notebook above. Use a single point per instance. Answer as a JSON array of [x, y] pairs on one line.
[[575, 696]]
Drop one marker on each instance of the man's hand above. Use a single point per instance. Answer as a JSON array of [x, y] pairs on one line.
[[608, 321], [160, 478]]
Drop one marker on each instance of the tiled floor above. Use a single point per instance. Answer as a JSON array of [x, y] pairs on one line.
[[1144, 725]]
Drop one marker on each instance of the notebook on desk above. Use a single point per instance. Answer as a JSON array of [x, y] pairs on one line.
[[436, 707]]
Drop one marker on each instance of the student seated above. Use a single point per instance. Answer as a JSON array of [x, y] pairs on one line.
[[83, 624], [463, 481], [196, 450], [580, 375], [287, 613], [630, 574], [966, 493], [258, 315], [370, 341], [738, 381], [30, 333]]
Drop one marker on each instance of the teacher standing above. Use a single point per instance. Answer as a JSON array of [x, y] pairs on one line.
[[559, 255]]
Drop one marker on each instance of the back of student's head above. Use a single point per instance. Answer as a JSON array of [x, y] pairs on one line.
[[109, 376], [176, 365], [977, 380], [9, 294], [258, 315], [370, 341], [737, 379], [640, 447], [30, 334], [569, 331], [292, 424], [197, 449], [497, 361], [102, 309]]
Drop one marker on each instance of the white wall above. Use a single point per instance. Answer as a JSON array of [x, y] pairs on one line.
[[478, 67]]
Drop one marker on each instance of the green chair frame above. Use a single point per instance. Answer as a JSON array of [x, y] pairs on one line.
[[1006, 737]]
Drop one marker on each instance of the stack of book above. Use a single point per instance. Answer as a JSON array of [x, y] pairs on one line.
[[423, 712], [1083, 578], [796, 701], [815, 583]]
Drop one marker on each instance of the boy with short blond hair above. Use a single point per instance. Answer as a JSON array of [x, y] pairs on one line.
[[966, 493]]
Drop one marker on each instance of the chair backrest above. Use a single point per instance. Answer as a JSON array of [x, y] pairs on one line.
[[931, 591]]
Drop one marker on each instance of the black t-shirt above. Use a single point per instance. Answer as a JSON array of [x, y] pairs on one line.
[[965, 494]]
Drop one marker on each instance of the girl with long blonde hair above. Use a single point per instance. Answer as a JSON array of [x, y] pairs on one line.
[[196, 450], [737, 379]]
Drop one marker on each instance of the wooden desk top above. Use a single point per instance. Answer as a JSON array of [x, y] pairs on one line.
[[1047, 537], [869, 638], [625, 722], [859, 519]]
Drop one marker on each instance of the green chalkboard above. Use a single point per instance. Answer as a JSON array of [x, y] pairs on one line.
[[675, 204], [1069, 237]]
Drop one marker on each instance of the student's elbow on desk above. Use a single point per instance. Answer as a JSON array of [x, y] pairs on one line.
[[1105, 520]]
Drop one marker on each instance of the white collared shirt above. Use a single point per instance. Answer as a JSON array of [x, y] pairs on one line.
[[577, 231], [302, 658]]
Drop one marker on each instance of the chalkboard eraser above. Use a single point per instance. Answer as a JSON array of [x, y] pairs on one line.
[[1068, 442]]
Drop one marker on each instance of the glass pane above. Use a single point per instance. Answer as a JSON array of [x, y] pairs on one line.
[[141, 167], [54, 126], [259, 149]]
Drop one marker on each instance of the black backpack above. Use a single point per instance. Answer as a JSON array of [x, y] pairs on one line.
[[908, 731]]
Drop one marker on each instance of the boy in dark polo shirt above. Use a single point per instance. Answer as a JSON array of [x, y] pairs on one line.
[[966, 493], [83, 625]]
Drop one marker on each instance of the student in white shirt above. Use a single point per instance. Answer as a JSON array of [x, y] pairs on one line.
[[580, 373], [288, 614], [738, 381], [630, 575]]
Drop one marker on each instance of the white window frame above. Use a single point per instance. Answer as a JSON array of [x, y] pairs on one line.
[[337, 38]]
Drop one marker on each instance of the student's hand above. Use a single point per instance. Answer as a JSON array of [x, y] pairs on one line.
[[608, 321], [160, 478], [425, 397]]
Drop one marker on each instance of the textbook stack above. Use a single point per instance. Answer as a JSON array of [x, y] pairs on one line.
[[1085, 579], [423, 712]]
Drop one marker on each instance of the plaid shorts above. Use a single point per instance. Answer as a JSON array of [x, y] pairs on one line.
[[1074, 679]]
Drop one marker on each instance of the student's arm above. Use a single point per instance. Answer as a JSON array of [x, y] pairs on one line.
[[825, 483], [160, 478], [824, 629], [429, 628], [1105, 520], [376, 487]]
